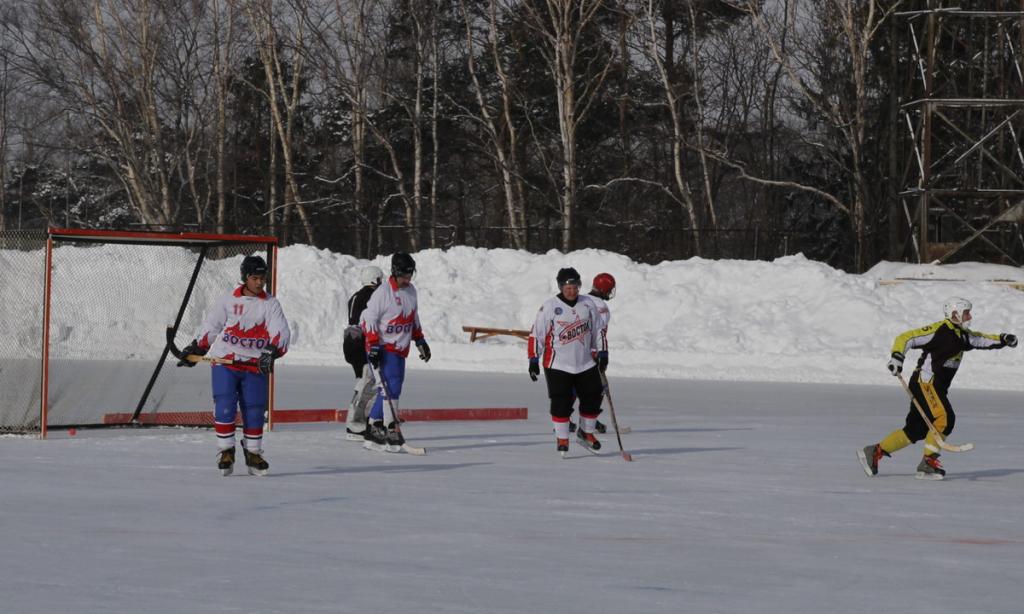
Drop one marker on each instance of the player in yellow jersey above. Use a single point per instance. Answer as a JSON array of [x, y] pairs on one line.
[[942, 346]]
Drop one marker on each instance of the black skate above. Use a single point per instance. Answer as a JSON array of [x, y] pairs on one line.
[[256, 463], [588, 441], [375, 437], [394, 439], [930, 468], [226, 461], [600, 427], [869, 458]]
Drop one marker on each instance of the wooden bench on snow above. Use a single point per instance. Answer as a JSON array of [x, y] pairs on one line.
[[482, 332]]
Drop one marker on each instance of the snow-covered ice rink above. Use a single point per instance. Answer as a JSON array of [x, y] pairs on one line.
[[742, 498]]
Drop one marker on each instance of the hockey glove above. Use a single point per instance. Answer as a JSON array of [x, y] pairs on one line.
[[424, 349], [192, 348], [602, 361], [373, 356], [896, 363], [1008, 339], [265, 363], [534, 368]]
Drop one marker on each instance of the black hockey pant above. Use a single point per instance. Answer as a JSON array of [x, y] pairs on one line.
[[587, 386]]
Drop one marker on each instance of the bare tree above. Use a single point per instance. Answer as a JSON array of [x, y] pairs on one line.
[[398, 82], [127, 70], [741, 84], [496, 118], [406, 90], [414, 111], [858, 23], [660, 49], [697, 64], [348, 47], [7, 84], [283, 90], [223, 17], [562, 26], [435, 111]]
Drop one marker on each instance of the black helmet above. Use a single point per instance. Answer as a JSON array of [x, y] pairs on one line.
[[568, 275], [402, 264], [253, 265]]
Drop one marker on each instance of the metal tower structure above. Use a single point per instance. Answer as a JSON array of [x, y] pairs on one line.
[[966, 122]]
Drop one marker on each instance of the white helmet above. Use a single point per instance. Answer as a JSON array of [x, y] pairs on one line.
[[955, 309], [371, 276]]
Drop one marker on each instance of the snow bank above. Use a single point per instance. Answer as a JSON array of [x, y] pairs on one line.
[[789, 320]]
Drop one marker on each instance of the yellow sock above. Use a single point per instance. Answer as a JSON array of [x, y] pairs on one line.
[[896, 440], [930, 445]]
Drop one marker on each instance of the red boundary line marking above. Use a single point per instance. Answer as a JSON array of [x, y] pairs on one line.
[[296, 416]]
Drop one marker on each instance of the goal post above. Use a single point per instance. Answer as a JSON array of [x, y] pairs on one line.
[[95, 327]]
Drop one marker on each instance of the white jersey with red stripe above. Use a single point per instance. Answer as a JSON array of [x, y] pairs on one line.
[[390, 319], [239, 327], [564, 336], [604, 315]]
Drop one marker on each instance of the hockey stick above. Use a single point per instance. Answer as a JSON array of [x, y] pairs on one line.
[[611, 408], [394, 413], [931, 427], [177, 353]]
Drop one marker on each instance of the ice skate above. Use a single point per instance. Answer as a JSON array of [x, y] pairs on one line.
[[226, 461], [930, 468], [600, 427], [562, 445], [394, 439], [588, 441], [376, 437], [869, 458], [256, 463]]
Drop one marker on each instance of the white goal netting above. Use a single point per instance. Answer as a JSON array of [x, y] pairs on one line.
[[111, 299]]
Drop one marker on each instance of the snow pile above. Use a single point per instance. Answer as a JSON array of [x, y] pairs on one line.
[[789, 320]]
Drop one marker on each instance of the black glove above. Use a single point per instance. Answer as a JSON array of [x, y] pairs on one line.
[[1008, 339], [265, 363], [192, 348], [373, 356], [421, 345], [602, 361], [896, 363], [534, 368]]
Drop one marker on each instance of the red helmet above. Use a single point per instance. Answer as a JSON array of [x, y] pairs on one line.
[[604, 285]]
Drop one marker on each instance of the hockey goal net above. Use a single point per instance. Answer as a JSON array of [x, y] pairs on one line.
[[84, 324]]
